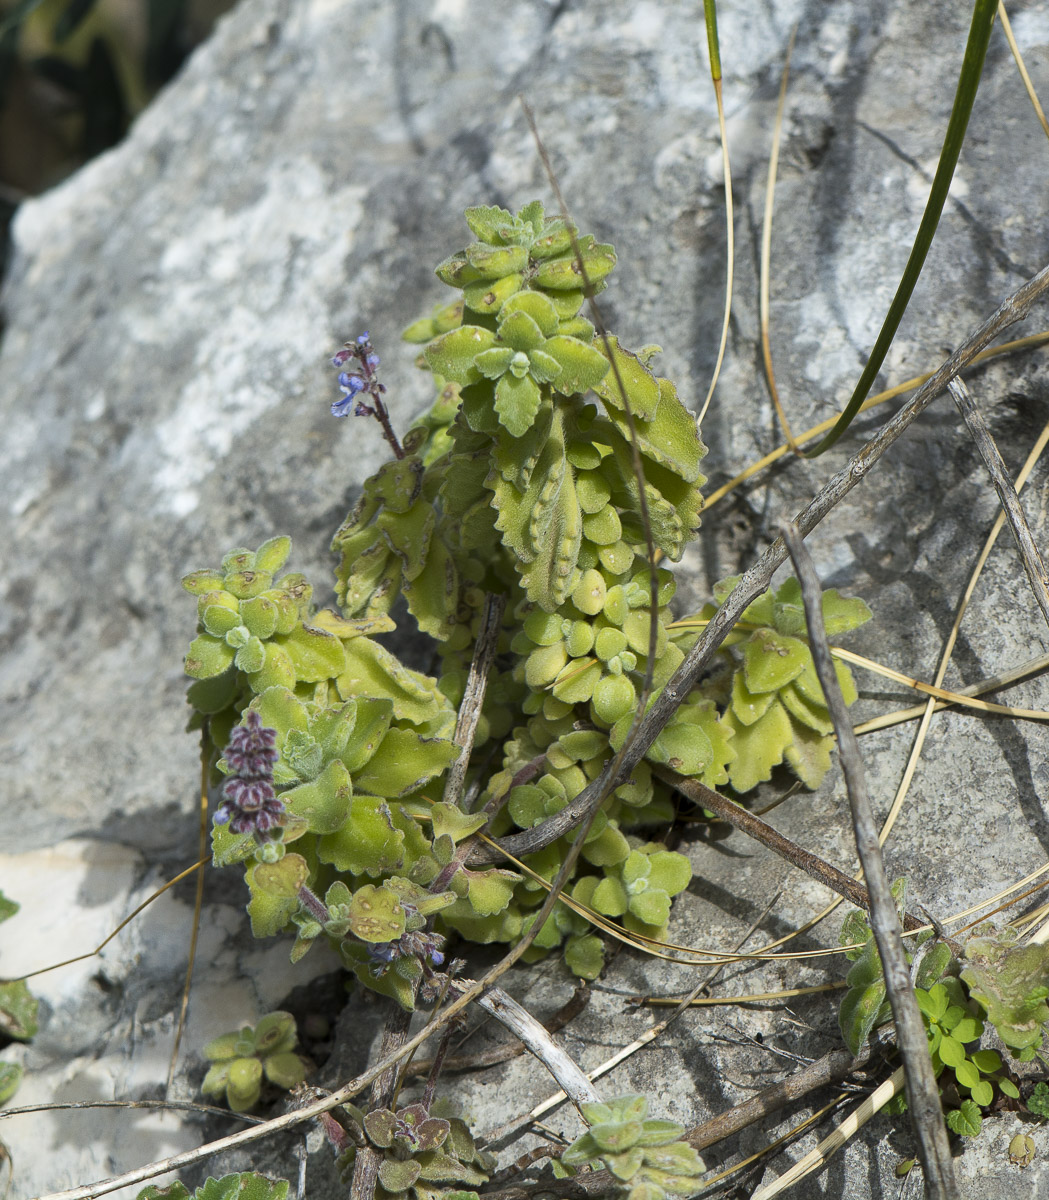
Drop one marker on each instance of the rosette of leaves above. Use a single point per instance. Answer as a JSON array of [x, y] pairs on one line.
[[646, 1155], [422, 1152], [1011, 984], [255, 632], [638, 888], [245, 1185], [776, 708], [529, 251], [954, 1033], [241, 1060], [378, 931], [563, 480]]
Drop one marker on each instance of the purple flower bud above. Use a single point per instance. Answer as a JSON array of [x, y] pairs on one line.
[[339, 359], [362, 409], [372, 360]]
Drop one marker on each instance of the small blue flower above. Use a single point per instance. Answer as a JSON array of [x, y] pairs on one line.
[[351, 384], [341, 408], [364, 339]]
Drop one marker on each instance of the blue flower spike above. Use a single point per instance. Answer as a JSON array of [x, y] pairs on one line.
[[362, 393]]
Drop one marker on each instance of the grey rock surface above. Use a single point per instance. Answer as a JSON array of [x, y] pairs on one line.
[[169, 315]]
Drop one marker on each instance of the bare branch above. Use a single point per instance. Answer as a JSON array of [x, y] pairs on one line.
[[922, 1093], [522, 1024]]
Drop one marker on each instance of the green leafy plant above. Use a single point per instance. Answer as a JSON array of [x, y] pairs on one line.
[[1011, 984], [950, 1010], [522, 482], [645, 1154], [244, 1185], [1038, 1101], [242, 1060]]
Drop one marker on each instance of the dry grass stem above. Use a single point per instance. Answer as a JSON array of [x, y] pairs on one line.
[[1031, 556]]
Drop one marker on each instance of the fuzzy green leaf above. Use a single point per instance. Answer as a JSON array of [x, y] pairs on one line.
[[452, 355], [275, 893], [759, 747], [771, 660], [10, 1078], [208, 656], [641, 386], [517, 402], [368, 842], [325, 803], [1010, 981], [18, 1011], [965, 1120], [404, 762]]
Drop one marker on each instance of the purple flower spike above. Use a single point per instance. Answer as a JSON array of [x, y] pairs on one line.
[[250, 804]]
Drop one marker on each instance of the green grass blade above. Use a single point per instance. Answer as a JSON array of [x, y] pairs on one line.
[[968, 82], [710, 12]]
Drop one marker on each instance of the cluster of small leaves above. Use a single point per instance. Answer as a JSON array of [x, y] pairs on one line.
[[245, 1185], [1038, 1100], [421, 1149], [950, 1010], [776, 709], [18, 1015], [646, 1155], [242, 1059]]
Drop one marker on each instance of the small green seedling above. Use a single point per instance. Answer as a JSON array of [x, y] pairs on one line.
[[241, 1060]]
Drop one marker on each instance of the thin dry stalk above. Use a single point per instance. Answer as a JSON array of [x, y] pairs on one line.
[[922, 1093], [473, 694], [813, 866], [830, 1069], [571, 1078], [766, 252], [1033, 562], [384, 1089]]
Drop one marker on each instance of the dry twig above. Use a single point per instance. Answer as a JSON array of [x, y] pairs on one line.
[[922, 1093]]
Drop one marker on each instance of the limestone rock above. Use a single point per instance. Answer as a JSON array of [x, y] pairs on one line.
[[165, 389]]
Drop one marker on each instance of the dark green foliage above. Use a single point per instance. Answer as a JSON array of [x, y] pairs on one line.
[[18, 1014], [1038, 1101], [246, 1185], [421, 1150]]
